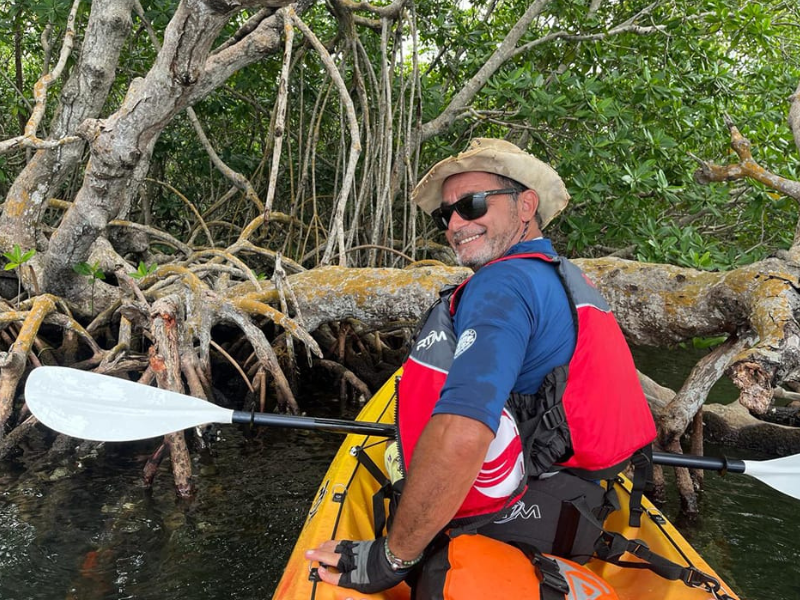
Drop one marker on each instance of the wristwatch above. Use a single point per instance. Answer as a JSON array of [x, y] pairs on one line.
[[395, 562]]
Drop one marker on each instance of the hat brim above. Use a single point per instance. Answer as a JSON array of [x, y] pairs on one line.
[[502, 158]]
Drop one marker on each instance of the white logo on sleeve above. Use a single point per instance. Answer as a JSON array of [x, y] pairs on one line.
[[465, 342]]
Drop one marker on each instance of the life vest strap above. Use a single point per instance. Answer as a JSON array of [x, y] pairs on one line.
[[611, 546], [554, 585], [379, 516], [642, 461], [542, 423]]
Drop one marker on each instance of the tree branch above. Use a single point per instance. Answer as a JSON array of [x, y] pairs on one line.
[[392, 11], [794, 116], [745, 168], [504, 51], [29, 138], [748, 168], [263, 39], [240, 181], [337, 234], [280, 112], [590, 37]]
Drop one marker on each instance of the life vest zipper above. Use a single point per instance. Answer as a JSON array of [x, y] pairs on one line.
[[400, 458]]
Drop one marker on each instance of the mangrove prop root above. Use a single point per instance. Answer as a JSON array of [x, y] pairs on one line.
[[165, 362], [12, 363], [152, 464], [697, 447], [686, 489]]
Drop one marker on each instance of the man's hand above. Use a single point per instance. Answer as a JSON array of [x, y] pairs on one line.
[[362, 566]]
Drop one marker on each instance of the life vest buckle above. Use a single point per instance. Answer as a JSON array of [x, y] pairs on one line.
[[554, 416], [551, 573]]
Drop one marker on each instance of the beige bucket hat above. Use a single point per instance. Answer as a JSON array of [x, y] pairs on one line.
[[503, 158]]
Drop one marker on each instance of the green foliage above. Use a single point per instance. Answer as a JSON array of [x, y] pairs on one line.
[[143, 270], [683, 246], [17, 257], [619, 116], [22, 25], [708, 342], [92, 272]]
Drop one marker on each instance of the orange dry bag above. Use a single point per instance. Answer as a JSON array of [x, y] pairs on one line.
[[478, 567]]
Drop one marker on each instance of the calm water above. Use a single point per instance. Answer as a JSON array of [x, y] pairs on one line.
[[97, 534], [100, 535]]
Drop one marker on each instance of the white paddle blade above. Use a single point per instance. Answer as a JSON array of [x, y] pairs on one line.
[[108, 409], [783, 474]]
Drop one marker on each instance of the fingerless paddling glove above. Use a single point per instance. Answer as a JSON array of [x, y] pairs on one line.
[[369, 566]]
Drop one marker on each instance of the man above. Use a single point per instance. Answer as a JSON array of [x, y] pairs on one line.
[[514, 328]]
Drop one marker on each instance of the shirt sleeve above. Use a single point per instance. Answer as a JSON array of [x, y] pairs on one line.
[[493, 324]]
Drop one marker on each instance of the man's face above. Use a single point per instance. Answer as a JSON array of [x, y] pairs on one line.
[[486, 238]]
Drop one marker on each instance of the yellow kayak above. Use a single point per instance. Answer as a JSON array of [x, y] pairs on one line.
[[342, 509]]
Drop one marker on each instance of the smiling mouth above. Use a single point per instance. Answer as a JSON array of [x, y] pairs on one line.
[[471, 238]]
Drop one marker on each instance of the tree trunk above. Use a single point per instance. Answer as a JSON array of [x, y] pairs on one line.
[[83, 97], [662, 305]]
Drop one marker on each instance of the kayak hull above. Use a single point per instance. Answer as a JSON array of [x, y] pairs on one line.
[[343, 509]]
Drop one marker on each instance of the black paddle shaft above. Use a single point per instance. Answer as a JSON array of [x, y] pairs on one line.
[[711, 463], [314, 423]]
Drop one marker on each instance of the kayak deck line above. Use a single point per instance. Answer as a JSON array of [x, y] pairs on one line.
[[343, 509]]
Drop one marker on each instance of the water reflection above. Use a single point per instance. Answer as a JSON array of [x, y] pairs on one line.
[[100, 535]]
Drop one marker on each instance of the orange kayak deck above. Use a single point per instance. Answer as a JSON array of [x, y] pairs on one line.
[[342, 509]]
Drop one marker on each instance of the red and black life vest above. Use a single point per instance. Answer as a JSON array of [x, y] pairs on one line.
[[589, 416]]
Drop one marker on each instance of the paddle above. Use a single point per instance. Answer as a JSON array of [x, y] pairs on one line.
[[108, 409]]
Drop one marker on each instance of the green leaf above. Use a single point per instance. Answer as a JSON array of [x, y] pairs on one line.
[[83, 268], [143, 270], [92, 271], [17, 257]]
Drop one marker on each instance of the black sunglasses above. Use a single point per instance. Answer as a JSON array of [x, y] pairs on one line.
[[470, 207]]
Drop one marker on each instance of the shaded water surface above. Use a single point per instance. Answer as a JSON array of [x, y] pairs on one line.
[[97, 534]]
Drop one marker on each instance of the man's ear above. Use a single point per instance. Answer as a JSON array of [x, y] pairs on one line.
[[527, 204]]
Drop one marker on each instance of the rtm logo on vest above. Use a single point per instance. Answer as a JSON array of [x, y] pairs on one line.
[[521, 511], [430, 339]]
